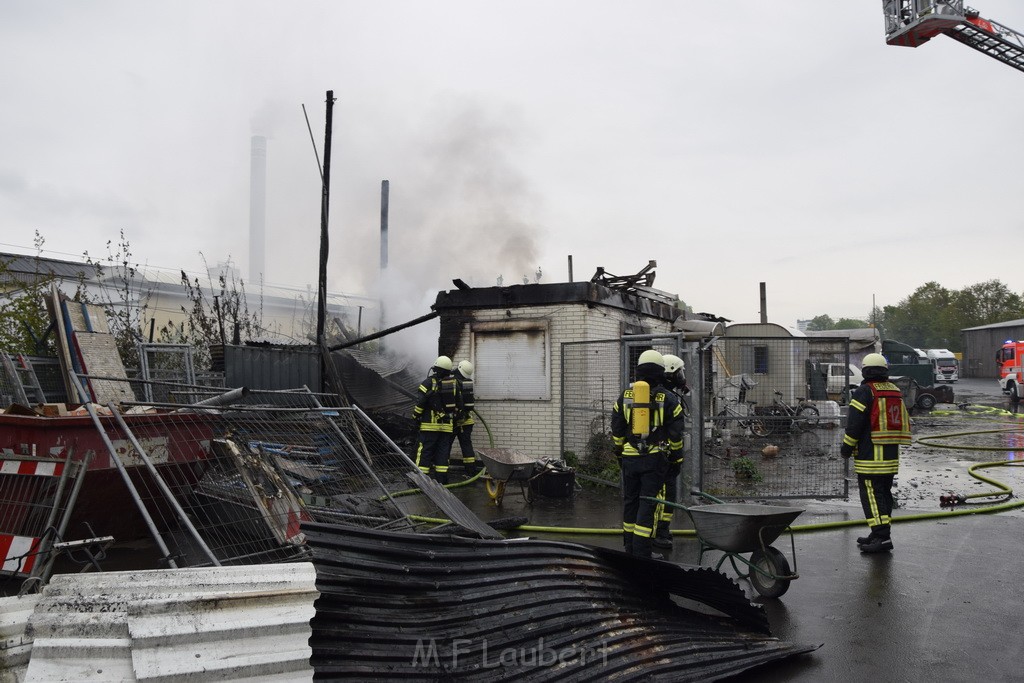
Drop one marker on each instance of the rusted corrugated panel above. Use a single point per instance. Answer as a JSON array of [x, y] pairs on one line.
[[398, 605], [373, 383], [15, 644], [248, 622]]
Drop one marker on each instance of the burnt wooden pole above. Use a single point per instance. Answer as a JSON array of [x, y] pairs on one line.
[[321, 307]]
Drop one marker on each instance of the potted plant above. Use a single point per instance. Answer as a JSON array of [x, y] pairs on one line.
[[744, 468]]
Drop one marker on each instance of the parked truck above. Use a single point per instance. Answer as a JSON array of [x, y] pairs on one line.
[[1009, 360], [906, 361], [944, 364]]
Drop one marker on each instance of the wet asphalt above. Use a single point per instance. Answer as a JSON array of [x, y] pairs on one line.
[[945, 604]]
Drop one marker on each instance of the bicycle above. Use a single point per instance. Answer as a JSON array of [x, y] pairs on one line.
[[745, 418], [804, 416]]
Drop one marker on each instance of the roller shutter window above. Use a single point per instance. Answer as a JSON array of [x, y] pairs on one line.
[[512, 365]]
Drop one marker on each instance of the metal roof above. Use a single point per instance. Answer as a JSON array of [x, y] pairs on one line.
[[248, 622], [1007, 323], [416, 606]]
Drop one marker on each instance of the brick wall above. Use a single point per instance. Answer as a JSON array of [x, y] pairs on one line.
[[534, 427]]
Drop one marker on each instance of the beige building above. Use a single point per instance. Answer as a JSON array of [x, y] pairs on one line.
[[514, 337]]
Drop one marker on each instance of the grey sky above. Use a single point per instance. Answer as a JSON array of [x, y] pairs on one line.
[[735, 143]]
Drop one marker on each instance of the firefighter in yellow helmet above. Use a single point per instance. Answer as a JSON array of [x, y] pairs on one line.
[[877, 425], [464, 419], [435, 411], [647, 436], [675, 381]]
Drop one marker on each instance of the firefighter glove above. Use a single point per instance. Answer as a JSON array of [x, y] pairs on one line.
[[846, 450]]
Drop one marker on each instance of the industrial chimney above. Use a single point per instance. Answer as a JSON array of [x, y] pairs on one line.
[[257, 209]]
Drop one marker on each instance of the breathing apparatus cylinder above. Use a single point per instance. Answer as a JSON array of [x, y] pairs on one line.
[[641, 415]]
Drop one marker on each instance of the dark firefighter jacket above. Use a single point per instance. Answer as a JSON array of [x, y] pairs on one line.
[[466, 401], [438, 405], [876, 426], [666, 429]]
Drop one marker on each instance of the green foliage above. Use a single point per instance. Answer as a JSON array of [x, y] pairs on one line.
[[24, 318], [123, 297], [823, 323], [220, 314], [744, 468], [932, 316]]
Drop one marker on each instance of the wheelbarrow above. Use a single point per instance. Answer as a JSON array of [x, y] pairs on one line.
[[505, 465], [739, 528]]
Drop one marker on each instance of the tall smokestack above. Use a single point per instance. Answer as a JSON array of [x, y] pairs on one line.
[[385, 187], [764, 304], [257, 209]]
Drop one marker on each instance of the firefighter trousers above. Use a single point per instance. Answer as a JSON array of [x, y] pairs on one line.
[[642, 477], [432, 454], [876, 499]]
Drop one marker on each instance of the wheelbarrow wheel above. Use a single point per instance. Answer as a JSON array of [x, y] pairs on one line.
[[495, 489], [774, 565]]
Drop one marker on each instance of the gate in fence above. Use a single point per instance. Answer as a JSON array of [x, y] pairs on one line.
[[765, 419]]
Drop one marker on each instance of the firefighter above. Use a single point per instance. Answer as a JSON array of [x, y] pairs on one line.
[[645, 448], [877, 425], [435, 411], [675, 382], [464, 419]]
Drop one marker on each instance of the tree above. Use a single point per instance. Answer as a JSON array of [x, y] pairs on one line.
[[925, 318], [820, 323], [986, 302], [849, 324], [24, 317]]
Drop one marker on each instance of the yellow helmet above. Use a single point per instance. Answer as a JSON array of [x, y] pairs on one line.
[[874, 360], [466, 369], [443, 363], [673, 363], [651, 356]]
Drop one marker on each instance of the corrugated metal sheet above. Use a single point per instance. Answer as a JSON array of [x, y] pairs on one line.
[[412, 606], [272, 367], [374, 382], [217, 623], [15, 644]]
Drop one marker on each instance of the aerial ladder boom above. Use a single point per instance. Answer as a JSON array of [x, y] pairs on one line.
[[914, 22]]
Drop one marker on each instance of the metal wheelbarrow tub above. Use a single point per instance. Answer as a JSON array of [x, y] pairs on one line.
[[741, 527], [737, 528], [503, 465]]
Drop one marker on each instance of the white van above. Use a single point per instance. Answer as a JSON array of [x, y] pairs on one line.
[[841, 377]]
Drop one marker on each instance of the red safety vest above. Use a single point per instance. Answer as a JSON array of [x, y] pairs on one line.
[[890, 422]]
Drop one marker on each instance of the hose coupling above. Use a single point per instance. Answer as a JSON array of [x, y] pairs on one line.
[[952, 500]]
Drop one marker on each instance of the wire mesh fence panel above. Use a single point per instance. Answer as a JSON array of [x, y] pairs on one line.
[[764, 437], [231, 483], [34, 495], [591, 382]]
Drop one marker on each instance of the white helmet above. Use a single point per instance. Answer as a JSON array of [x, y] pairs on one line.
[[874, 360], [673, 363], [651, 356], [443, 363], [466, 369]]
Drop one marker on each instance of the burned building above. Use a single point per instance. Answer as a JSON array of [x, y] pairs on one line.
[[513, 336]]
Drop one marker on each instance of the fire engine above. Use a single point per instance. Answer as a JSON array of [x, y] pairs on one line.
[[1009, 358], [914, 22]]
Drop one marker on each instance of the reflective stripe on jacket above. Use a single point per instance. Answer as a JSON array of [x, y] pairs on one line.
[[876, 426], [666, 430], [429, 410]]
